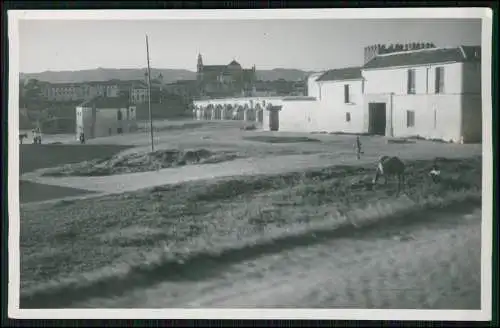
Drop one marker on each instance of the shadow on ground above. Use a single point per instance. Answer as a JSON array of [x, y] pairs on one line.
[[35, 192]]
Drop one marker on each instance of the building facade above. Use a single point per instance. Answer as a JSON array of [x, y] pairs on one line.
[[102, 116], [433, 93], [407, 90], [224, 80], [80, 91]]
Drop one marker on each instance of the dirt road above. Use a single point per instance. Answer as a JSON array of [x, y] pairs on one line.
[[432, 264]]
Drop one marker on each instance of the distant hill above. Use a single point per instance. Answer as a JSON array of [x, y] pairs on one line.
[[169, 75]]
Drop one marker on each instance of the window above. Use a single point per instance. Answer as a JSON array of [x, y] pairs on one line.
[[410, 118], [439, 80], [348, 117], [346, 94], [411, 81]]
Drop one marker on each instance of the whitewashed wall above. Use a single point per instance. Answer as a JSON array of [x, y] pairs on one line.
[[106, 122], [394, 80], [312, 85], [331, 115], [448, 115], [299, 116], [436, 116], [472, 117]]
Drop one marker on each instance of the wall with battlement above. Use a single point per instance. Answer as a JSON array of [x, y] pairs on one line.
[[380, 49]]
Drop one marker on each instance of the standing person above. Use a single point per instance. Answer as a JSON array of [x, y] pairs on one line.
[[39, 135], [34, 135], [82, 138], [357, 146]]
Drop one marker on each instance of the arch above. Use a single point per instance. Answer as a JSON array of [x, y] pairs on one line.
[[227, 113], [238, 113], [218, 112]]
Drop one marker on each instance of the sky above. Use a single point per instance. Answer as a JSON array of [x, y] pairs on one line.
[[313, 45]]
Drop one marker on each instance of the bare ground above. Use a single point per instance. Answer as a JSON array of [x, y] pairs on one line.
[[434, 264]]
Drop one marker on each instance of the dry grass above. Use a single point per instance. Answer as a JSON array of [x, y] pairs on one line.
[[171, 232], [33, 157], [141, 162]]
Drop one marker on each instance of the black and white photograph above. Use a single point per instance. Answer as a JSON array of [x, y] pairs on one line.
[[231, 164]]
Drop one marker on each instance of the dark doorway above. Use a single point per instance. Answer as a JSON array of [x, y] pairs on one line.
[[119, 130], [377, 118], [274, 118]]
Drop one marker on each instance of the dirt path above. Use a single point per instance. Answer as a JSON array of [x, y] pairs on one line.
[[435, 264], [247, 166]]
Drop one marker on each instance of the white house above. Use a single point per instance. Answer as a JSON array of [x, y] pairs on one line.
[[103, 116], [334, 104], [340, 101], [432, 93]]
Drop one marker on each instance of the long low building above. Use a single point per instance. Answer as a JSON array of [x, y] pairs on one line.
[[262, 110], [398, 92]]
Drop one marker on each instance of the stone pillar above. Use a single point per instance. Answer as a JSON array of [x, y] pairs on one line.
[[212, 113], [245, 115]]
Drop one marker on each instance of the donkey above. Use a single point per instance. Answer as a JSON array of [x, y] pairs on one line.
[[390, 165]]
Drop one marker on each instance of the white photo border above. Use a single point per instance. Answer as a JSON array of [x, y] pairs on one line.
[[14, 16]]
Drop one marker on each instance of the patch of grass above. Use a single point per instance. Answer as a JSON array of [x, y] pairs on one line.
[[280, 139], [122, 236], [141, 162], [34, 157], [34, 192]]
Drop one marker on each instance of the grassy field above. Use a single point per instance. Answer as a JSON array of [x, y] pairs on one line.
[[175, 232], [33, 157], [75, 250]]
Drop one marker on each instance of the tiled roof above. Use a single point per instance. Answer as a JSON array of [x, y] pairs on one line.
[[349, 73], [426, 56], [106, 102]]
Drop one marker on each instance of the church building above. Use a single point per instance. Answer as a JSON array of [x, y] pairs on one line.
[[219, 81]]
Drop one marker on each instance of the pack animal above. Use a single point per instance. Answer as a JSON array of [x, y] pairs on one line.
[[390, 166]]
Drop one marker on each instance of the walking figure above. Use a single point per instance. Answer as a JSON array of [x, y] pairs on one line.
[[82, 138], [358, 148]]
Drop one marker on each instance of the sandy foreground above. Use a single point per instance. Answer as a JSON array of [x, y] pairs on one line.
[[435, 264]]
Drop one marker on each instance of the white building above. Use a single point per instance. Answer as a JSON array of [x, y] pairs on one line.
[[80, 91], [432, 93], [334, 103], [104, 116], [428, 92]]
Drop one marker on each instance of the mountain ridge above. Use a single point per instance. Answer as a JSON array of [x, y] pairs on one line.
[[169, 75]]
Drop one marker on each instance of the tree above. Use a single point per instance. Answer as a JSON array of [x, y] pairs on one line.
[[32, 91]]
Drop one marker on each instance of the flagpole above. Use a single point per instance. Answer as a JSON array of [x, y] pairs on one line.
[[149, 96]]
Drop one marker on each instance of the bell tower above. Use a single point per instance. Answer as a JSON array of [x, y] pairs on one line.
[[199, 73], [199, 66]]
